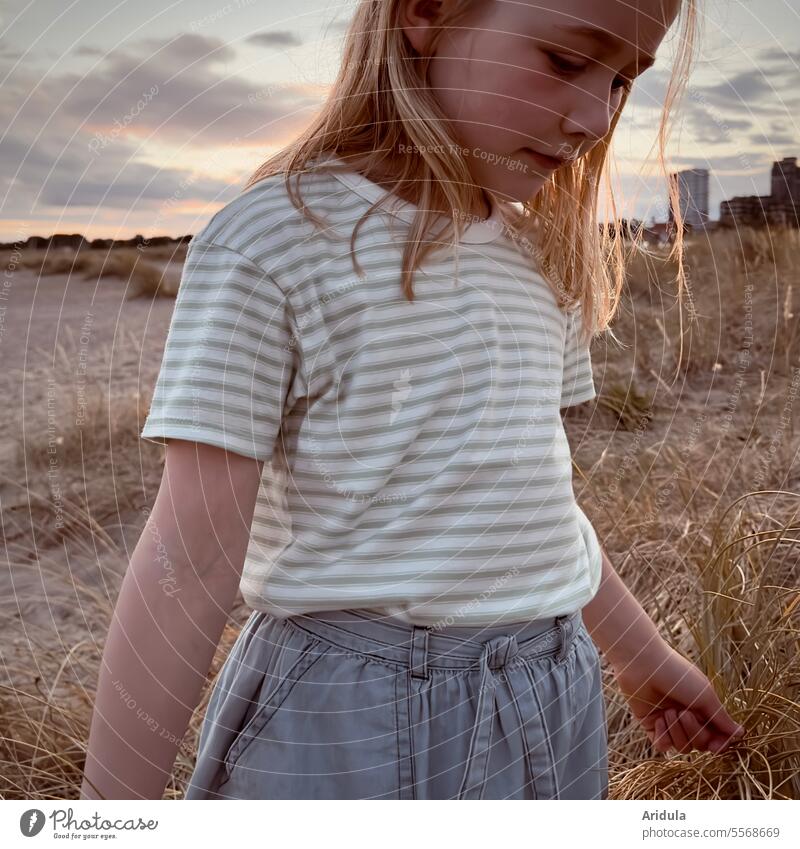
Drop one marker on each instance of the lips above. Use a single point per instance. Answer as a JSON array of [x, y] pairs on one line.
[[544, 159]]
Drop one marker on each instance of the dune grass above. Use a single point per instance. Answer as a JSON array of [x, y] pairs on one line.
[[145, 273], [686, 464]]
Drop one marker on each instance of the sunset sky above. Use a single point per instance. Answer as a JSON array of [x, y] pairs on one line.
[[225, 83]]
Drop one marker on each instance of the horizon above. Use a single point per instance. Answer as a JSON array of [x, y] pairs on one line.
[[647, 223]]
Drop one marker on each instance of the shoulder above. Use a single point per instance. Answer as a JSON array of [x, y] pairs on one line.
[[262, 222]]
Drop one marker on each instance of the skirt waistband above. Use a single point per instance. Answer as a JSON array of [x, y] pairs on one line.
[[422, 647]]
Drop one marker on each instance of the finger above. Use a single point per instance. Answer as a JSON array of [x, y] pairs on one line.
[[720, 742], [661, 742], [698, 736], [676, 732], [713, 711], [726, 726]]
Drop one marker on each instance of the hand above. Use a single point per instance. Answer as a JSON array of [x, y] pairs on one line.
[[675, 703]]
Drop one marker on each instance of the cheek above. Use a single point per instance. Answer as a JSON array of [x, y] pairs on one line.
[[492, 103], [469, 99], [524, 98]]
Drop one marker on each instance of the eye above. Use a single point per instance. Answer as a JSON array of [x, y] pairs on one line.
[[562, 65]]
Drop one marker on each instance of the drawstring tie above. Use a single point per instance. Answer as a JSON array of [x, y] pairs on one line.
[[497, 652]]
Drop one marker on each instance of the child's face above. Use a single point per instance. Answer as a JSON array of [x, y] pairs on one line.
[[511, 79]]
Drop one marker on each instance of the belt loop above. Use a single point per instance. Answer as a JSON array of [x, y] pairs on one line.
[[566, 627], [419, 652]]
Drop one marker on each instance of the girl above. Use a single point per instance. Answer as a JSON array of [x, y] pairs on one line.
[[370, 446]]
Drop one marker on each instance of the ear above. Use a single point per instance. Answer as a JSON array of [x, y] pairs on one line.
[[416, 19]]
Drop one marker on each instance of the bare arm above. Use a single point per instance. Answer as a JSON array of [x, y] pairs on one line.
[[673, 701], [671, 698], [617, 622], [172, 607]]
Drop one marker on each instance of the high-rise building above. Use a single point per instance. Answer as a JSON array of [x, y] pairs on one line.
[[693, 196], [785, 181], [779, 208]]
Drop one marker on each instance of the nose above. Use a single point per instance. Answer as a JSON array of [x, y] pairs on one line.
[[589, 117]]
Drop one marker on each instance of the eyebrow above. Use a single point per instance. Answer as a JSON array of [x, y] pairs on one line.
[[605, 39]]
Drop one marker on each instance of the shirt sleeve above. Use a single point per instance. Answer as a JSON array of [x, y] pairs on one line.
[[577, 383], [229, 358]]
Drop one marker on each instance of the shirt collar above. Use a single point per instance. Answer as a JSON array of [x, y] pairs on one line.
[[476, 232]]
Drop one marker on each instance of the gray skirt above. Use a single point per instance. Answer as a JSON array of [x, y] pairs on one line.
[[348, 705]]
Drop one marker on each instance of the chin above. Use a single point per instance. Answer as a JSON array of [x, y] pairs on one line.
[[521, 190]]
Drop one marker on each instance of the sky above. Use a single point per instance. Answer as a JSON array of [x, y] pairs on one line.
[[146, 117]]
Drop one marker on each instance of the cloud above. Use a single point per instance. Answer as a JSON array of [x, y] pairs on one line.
[[786, 60], [85, 50], [711, 126], [96, 139], [9, 52], [743, 90], [735, 164], [275, 39], [648, 92], [751, 91], [742, 110], [773, 139]]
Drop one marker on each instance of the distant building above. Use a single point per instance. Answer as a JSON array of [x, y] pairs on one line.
[[657, 233], [785, 181], [628, 228], [757, 211], [692, 188], [780, 208]]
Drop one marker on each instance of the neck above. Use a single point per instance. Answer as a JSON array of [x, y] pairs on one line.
[[405, 192]]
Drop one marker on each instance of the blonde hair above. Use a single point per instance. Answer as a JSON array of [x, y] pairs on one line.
[[380, 100]]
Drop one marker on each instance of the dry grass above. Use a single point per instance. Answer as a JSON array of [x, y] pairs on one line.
[[719, 317], [688, 471], [631, 407], [146, 273], [741, 628]]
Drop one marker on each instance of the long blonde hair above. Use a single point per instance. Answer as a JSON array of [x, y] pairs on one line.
[[380, 100]]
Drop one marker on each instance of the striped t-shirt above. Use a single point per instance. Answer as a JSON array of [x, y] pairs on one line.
[[415, 458]]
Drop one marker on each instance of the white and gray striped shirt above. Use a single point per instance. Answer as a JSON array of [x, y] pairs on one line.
[[415, 458]]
